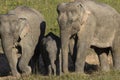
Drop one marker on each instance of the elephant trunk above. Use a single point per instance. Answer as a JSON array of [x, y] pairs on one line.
[[64, 51]]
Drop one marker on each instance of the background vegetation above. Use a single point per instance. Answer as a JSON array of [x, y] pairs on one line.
[[48, 9]]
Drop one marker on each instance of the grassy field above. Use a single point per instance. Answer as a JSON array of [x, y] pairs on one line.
[[95, 76], [48, 9]]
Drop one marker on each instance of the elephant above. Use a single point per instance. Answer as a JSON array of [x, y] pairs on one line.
[[50, 45], [96, 26], [20, 32], [51, 53]]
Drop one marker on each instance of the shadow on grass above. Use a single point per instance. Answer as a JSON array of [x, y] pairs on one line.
[[90, 68], [5, 69]]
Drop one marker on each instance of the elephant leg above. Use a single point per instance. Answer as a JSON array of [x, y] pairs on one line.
[[10, 52], [53, 67], [46, 63], [116, 55], [49, 69], [103, 58], [13, 63], [116, 59], [81, 56], [27, 53], [60, 64]]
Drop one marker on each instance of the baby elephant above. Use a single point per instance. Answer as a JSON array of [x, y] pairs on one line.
[[51, 53]]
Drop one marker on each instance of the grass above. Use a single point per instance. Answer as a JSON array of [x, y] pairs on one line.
[[95, 76], [48, 9]]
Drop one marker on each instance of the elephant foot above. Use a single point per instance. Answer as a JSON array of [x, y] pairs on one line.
[[9, 78], [54, 74], [79, 70], [79, 74], [25, 74], [65, 71], [26, 71], [116, 68], [61, 73], [16, 75], [105, 69]]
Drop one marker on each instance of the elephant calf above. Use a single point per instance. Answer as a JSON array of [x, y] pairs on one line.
[[51, 52]]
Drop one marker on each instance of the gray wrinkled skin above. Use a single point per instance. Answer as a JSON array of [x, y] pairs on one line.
[[20, 32], [96, 25]]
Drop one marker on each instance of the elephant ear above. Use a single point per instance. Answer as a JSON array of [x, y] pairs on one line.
[[24, 27], [85, 14], [85, 17]]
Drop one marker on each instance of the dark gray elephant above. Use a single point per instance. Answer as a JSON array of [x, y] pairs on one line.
[[50, 45], [96, 25], [20, 31]]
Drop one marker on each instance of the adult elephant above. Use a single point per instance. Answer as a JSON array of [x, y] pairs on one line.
[[20, 31], [95, 24]]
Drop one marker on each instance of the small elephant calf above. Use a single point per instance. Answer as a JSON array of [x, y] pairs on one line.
[[51, 53]]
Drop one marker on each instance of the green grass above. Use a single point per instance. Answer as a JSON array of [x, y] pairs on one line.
[[95, 76], [48, 9]]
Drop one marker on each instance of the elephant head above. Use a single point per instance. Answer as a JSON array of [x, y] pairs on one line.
[[71, 18], [10, 23], [12, 30]]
